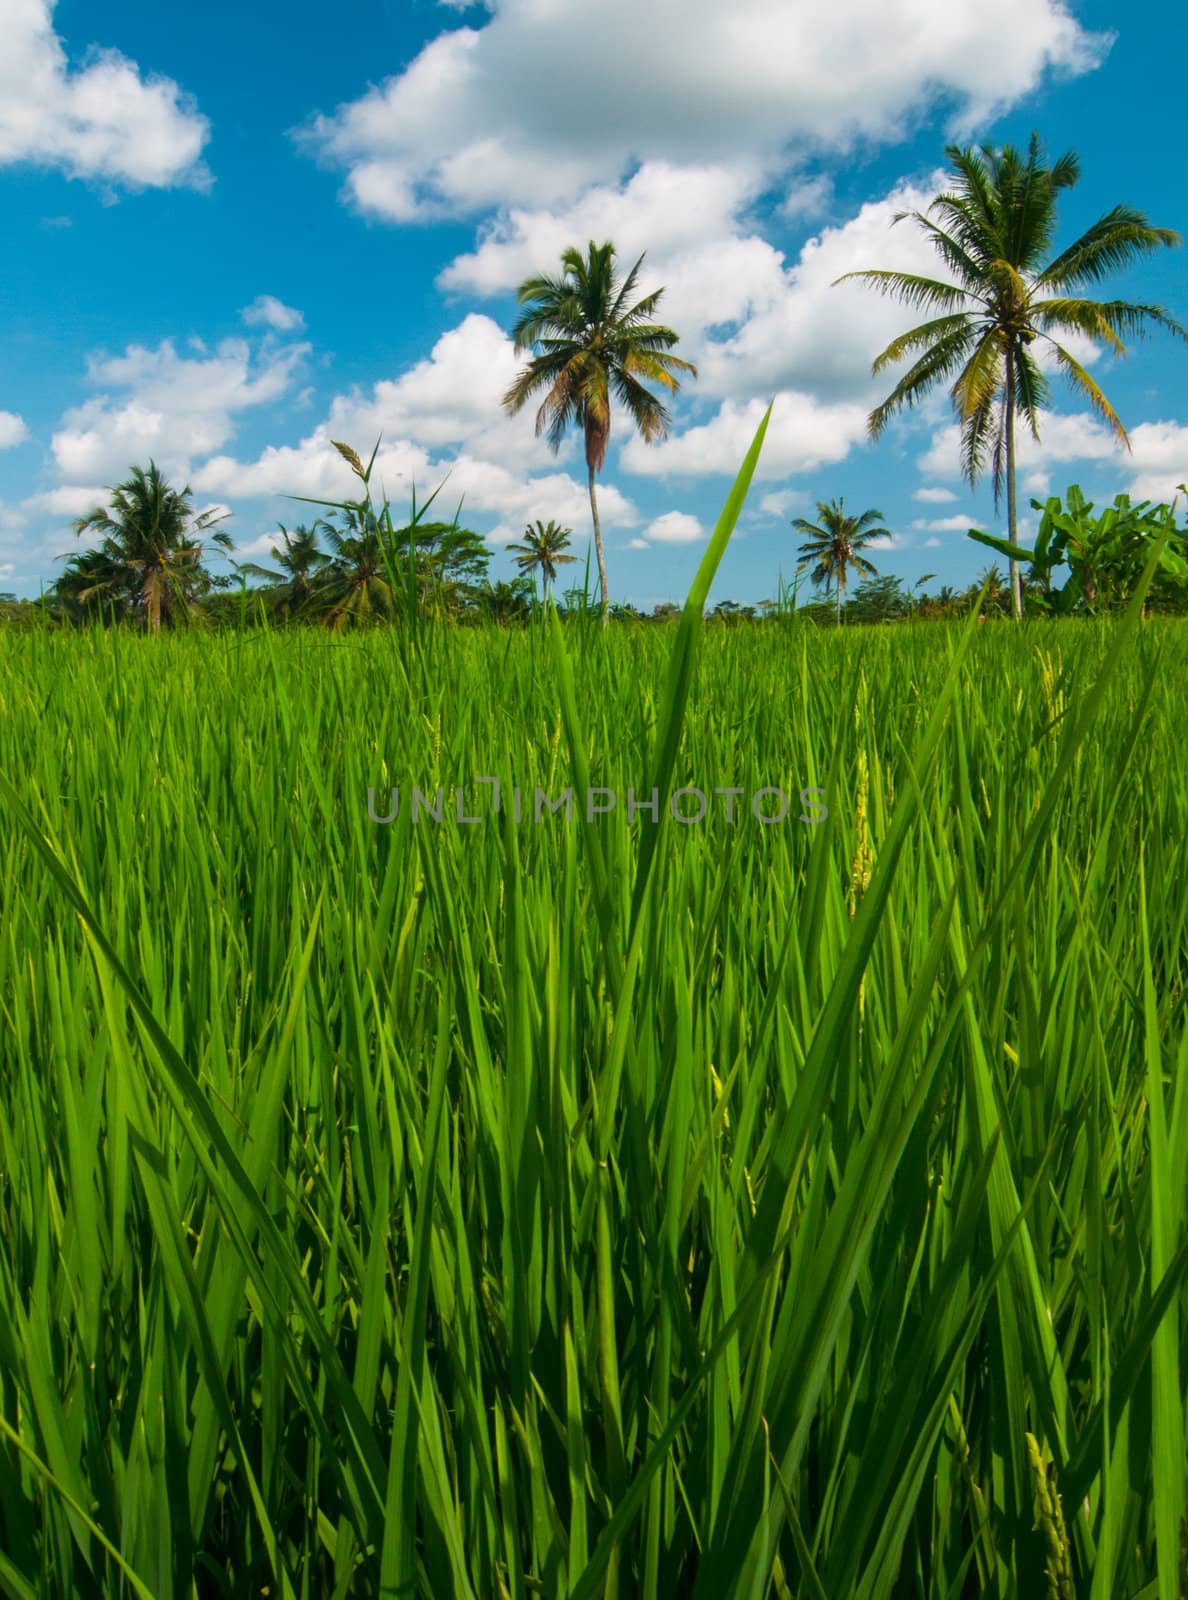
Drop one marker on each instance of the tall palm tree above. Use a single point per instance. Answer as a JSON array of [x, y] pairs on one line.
[[999, 222], [836, 542], [543, 548], [300, 561], [590, 344], [147, 556]]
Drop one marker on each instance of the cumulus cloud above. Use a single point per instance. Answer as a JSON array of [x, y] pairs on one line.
[[674, 527], [747, 320], [739, 83], [12, 430], [1152, 469], [269, 312], [957, 524], [68, 500], [174, 408], [485, 488], [782, 501], [934, 494], [802, 434], [102, 119]]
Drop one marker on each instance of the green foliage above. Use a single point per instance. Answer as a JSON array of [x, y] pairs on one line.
[[879, 600], [1105, 555]]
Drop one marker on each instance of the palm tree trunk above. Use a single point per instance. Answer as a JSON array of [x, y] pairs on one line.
[[1012, 507], [598, 551], [841, 583]]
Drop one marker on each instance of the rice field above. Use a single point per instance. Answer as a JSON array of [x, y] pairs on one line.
[[595, 1207]]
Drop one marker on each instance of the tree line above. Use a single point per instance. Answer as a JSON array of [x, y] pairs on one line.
[[1005, 300]]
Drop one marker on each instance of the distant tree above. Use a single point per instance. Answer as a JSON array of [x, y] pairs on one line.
[[450, 562], [835, 544], [358, 581], [882, 599], [666, 611], [1000, 220], [592, 344], [731, 611], [506, 603], [998, 595], [300, 561], [942, 604], [148, 563], [543, 550]]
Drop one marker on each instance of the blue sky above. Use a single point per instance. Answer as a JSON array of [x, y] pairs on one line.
[[235, 233]]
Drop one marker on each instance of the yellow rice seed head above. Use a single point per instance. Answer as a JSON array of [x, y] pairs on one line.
[[719, 1091], [350, 457], [863, 856], [553, 748], [1050, 1517]]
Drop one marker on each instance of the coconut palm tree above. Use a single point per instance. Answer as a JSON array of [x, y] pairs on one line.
[[835, 544], [147, 558], [998, 225], [505, 602], [591, 344], [544, 549], [357, 587], [990, 578], [301, 562]]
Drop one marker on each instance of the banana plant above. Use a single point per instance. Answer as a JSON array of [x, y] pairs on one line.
[[1104, 554]]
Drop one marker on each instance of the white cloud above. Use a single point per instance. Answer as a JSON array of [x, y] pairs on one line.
[[781, 501], [1063, 437], [637, 544], [447, 402], [69, 500], [7, 569], [174, 409], [314, 468], [1159, 461], [1151, 470], [674, 527], [802, 434], [934, 495], [269, 312], [100, 120], [792, 328], [955, 524], [732, 84], [12, 430], [933, 544]]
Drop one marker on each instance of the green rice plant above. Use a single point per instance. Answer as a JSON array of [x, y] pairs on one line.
[[602, 1206]]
